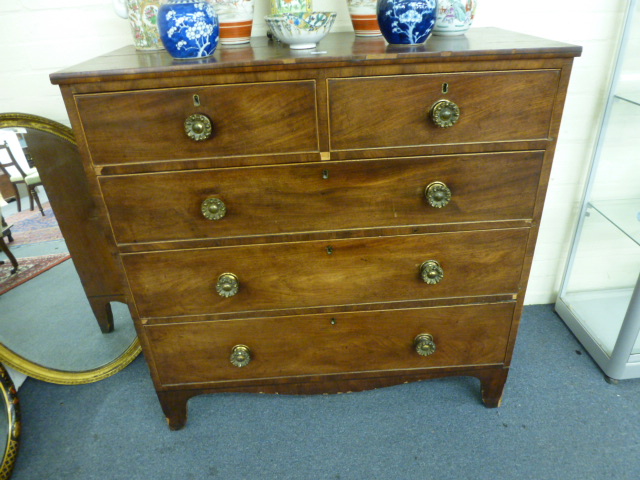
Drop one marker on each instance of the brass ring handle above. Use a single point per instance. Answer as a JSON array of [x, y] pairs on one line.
[[228, 285], [213, 209], [438, 194], [198, 127], [431, 272], [424, 344], [445, 113], [240, 356]]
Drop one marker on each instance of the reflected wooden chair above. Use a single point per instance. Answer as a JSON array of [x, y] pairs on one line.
[[19, 175], [6, 232]]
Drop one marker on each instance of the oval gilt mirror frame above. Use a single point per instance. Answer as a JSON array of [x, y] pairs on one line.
[[98, 277], [9, 425]]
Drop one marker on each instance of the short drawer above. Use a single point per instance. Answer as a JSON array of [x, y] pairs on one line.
[[323, 273], [330, 344], [394, 111], [322, 197], [247, 119]]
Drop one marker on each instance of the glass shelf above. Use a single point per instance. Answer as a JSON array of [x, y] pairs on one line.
[[624, 214], [601, 314], [629, 96]]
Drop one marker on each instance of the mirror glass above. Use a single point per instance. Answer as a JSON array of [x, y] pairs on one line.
[[63, 320]]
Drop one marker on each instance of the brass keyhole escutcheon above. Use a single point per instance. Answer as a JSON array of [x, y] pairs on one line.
[[213, 209], [228, 285], [431, 272], [198, 127], [438, 194], [240, 356], [445, 113], [424, 344]]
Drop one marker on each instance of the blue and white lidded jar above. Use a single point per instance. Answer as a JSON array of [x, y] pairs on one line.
[[188, 29], [406, 22]]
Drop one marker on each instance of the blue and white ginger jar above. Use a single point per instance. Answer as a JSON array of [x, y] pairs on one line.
[[406, 22], [188, 29]]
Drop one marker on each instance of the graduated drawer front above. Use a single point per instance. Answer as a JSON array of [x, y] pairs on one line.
[[394, 111], [317, 197], [330, 344], [322, 273], [248, 119]]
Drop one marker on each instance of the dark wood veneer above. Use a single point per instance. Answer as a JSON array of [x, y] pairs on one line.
[[336, 196], [330, 343], [305, 274], [247, 120], [322, 161]]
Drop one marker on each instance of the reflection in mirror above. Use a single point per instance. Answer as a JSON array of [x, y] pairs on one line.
[[48, 327], [9, 424]]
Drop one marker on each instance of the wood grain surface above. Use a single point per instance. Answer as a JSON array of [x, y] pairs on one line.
[[341, 272], [494, 106], [321, 197], [330, 344], [322, 161]]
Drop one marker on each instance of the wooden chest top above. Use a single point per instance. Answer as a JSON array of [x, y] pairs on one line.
[[336, 50]]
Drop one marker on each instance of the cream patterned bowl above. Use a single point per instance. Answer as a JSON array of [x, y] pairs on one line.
[[300, 30]]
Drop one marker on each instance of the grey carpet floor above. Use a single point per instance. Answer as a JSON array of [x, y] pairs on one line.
[[559, 420]]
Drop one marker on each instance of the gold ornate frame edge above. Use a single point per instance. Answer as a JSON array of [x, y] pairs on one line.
[[64, 377], [20, 363], [14, 119], [10, 397]]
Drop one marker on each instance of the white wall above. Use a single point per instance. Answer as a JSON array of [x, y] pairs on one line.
[[38, 37]]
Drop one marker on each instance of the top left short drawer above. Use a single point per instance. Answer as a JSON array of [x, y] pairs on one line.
[[246, 119]]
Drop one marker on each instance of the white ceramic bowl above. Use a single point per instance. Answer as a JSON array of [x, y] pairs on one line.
[[300, 30]]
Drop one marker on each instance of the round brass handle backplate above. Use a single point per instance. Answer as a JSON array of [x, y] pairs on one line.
[[445, 113], [213, 209], [240, 356], [424, 344], [431, 272], [198, 127], [438, 194], [228, 285]]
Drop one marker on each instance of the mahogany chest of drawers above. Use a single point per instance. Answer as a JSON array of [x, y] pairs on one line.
[[331, 221]]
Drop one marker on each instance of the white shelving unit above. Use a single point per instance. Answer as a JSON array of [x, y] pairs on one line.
[[599, 298]]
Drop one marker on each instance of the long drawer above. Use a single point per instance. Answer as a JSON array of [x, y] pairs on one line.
[[323, 273], [494, 106], [247, 119], [320, 197], [329, 344]]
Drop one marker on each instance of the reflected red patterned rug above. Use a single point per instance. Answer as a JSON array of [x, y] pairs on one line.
[[28, 268], [32, 227]]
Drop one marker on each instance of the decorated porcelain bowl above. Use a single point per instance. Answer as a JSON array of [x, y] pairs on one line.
[[300, 30]]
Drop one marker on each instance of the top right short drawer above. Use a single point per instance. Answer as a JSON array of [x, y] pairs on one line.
[[395, 111]]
